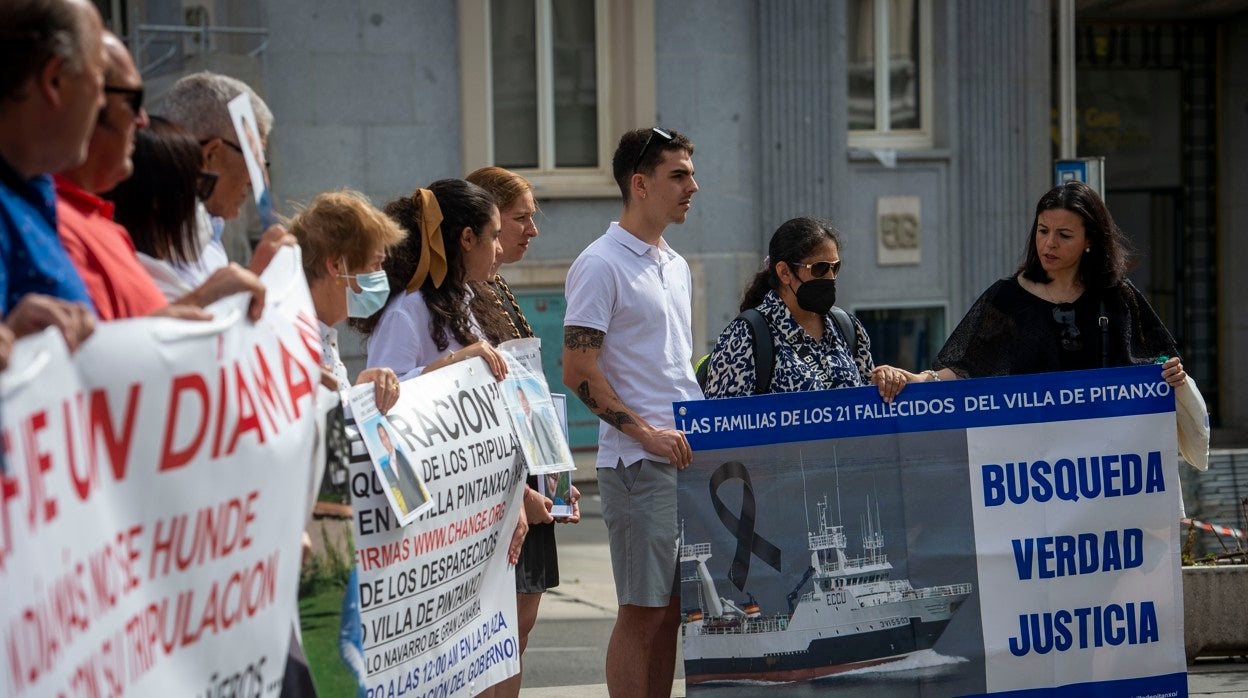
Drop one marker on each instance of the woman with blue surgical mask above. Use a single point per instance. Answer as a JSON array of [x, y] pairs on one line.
[[344, 240]]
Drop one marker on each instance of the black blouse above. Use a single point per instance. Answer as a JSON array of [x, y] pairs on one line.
[[1010, 331]]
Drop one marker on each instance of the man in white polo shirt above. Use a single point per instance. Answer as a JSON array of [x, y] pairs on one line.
[[627, 353]]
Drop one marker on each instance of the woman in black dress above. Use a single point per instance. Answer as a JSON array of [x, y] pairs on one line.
[[1069, 306]]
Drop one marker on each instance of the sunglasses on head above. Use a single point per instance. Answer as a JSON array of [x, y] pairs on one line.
[[656, 131], [820, 269], [1064, 315], [133, 95]]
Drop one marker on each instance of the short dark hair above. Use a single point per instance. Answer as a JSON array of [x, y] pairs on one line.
[[1106, 262], [792, 242], [156, 204], [463, 205], [33, 32], [629, 158]]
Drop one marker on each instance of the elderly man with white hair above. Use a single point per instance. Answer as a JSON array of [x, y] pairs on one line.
[[199, 103]]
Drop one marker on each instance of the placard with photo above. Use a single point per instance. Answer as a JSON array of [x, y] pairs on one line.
[[393, 462]]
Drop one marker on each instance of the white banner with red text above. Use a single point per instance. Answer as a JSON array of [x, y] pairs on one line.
[[155, 491]]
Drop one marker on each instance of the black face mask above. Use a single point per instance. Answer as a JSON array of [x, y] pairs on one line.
[[817, 295]]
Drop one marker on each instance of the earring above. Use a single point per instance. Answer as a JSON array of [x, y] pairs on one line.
[[1087, 250]]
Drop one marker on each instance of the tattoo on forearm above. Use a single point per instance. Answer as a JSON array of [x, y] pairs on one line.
[[615, 418], [582, 391], [575, 337]]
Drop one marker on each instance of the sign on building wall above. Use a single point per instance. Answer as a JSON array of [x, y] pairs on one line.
[[897, 230]]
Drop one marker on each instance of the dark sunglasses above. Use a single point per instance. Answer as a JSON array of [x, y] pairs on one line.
[[238, 149], [820, 269], [1064, 315], [204, 184], [133, 95], [656, 131]]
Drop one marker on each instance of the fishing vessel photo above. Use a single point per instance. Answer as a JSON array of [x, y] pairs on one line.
[[853, 615], [807, 571]]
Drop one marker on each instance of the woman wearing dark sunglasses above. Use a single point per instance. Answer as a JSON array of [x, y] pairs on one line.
[[795, 293], [1069, 305]]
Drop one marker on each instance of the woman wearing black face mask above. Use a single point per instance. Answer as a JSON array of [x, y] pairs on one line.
[[795, 293]]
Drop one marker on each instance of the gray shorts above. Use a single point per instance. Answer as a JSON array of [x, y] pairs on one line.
[[639, 508]]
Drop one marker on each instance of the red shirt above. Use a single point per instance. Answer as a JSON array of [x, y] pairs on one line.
[[104, 255]]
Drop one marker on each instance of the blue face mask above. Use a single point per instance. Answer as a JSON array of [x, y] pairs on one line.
[[374, 290]]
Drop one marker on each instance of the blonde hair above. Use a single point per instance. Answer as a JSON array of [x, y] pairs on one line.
[[504, 185], [342, 224]]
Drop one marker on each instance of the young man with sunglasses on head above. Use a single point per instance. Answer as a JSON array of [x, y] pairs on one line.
[[627, 351]]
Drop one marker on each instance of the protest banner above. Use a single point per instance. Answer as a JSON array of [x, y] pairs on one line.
[[438, 597], [983, 536], [155, 492]]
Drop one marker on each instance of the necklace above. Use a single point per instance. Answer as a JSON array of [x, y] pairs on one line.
[[1045, 293], [514, 314]]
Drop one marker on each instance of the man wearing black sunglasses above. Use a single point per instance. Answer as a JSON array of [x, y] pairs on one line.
[[627, 352], [100, 248], [199, 103]]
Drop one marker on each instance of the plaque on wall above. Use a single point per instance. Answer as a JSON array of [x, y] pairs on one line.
[[897, 230]]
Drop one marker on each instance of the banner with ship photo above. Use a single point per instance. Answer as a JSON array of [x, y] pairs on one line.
[[437, 596], [979, 536], [155, 488]]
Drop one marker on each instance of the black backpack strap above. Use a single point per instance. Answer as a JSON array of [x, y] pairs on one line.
[[848, 331], [764, 349]]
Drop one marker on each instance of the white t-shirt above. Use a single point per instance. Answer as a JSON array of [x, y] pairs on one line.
[[176, 279], [403, 338], [179, 279], [638, 295]]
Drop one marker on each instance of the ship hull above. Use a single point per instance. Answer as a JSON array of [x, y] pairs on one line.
[[822, 657]]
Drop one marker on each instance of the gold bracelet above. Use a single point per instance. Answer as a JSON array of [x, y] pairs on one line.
[[933, 375]]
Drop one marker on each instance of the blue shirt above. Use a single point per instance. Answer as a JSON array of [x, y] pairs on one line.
[[32, 259]]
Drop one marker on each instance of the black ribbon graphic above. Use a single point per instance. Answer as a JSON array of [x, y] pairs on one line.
[[742, 527]]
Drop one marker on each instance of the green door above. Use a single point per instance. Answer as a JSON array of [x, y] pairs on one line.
[[544, 309]]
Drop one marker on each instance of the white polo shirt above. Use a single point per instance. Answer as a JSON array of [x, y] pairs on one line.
[[638, 295]]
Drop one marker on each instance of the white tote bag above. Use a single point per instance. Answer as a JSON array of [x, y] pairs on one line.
[[1193, 419]]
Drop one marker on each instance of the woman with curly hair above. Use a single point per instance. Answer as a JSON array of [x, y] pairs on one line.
[[427, 323]]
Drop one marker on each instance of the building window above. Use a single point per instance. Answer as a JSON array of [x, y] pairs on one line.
[[908, 337], [549, 85], [890, 73]]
